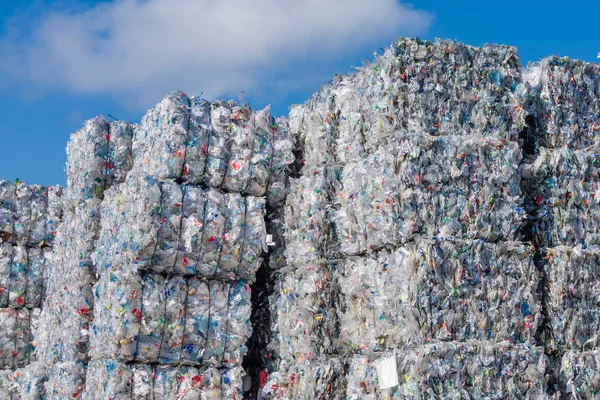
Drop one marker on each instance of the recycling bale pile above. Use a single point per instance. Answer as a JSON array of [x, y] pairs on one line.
[[180, 242], [98, 156], [562, 99], [422, 228], [404, 229], [29, 217]]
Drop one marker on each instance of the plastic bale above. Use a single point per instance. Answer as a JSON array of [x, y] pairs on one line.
[[36, 272], [573, 297], [317, 378], [306, 226], [579, 374], [467, 187], [304, 309], [368, 208], [26, 282], [222, 234], [26, 383], [18, 277], [229, 324], [115, 380], [8, 326], [87, 152], [197, 144], [22, 213], [281, 162], [131, 217], [115, 330], [68, 301], [66, 381], [167, 242], [442, 88], [38, 215], [218, 149], [439, 291], [7, 204], [189, 383], [162, 322], [108, 379], [216, 323], [445, 87], [6, 259], [241, 148], [119, 159], [562, 94], [267, 156], [159, 142], [454, 370], [153, 319], [55, 212], [15, 338], [563, 184]]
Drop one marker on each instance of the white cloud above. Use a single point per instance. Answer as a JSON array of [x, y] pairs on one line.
[[142, 48]]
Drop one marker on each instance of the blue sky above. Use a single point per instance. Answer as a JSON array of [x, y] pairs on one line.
[[65, 61]]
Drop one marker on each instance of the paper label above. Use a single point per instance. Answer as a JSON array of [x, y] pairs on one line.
[[387, 372]]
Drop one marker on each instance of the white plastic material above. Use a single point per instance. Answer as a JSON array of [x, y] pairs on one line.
[[387, 372]]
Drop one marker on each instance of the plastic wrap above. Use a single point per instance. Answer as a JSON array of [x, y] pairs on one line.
[[148, 318], [574, 297], [563, 95], [168, 228], [119, 381]]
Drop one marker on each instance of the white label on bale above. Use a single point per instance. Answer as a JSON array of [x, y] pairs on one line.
[[270, 240], [387, 372]]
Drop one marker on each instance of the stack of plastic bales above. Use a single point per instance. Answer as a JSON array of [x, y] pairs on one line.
[[29, 216], [401, 233], [562, 97], [98, 156], [180, 242]]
